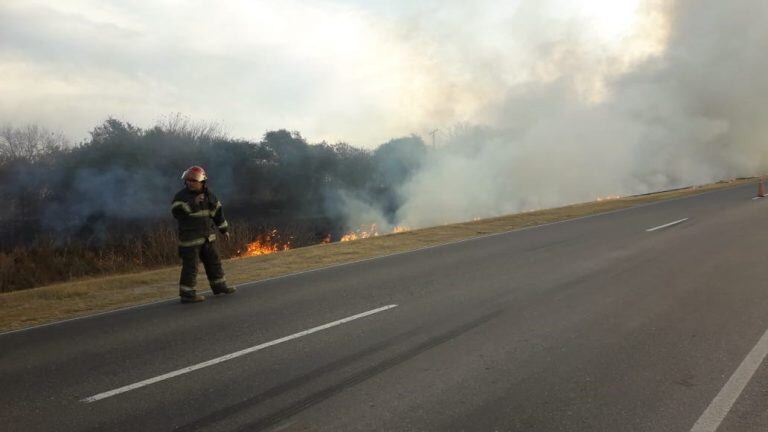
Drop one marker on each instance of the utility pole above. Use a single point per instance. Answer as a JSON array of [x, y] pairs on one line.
[[433, 133]]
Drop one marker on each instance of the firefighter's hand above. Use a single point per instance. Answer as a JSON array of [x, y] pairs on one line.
[[226, 235], [199, 199]]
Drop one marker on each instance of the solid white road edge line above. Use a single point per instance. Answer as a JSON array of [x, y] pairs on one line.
[[666, 225], [231, 356], [720, 406]]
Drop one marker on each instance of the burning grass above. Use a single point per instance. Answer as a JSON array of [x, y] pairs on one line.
[[49, 261], [367, 232], [270, 242], [264, 244], [28, 307]]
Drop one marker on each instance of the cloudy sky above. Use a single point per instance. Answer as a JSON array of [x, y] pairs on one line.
[[353, 70]]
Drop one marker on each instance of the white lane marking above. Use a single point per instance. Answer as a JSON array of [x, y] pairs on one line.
[[717, 410], [666, 225], [231, 356]]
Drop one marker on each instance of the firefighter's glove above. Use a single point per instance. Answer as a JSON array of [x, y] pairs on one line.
[[226, 235]]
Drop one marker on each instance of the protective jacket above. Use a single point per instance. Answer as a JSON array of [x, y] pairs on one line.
[[198, 222]]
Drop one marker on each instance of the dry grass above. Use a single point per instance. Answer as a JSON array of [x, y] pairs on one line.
[[75, 298]]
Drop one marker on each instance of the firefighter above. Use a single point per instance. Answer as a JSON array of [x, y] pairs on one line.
[[199, 212]]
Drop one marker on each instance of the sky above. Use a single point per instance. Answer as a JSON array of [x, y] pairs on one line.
[[357, 71]]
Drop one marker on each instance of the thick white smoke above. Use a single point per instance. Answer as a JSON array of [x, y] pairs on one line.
[[598, 123]]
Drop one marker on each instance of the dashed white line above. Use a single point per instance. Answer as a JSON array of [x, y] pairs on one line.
[[720, 406], [666, 225], [231, 356]]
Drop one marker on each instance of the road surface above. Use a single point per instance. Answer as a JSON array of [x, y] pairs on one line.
[[646, 319]]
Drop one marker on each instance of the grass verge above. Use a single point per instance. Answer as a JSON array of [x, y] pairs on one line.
[[20, 309]]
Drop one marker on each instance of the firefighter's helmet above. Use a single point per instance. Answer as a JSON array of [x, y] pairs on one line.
[[195, 173]]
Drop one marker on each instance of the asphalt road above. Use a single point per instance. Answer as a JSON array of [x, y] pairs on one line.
[[595, 324]]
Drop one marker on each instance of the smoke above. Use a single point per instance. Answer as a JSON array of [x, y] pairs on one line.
[[114, 193], [680, 102], [356, 212], [552, 102]]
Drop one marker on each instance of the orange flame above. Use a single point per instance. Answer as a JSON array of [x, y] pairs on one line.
[[361, 233], [268, 243], [366, 232], [264, 244]]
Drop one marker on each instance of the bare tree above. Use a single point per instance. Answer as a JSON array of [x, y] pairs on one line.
[[31, 142], [183, 126]]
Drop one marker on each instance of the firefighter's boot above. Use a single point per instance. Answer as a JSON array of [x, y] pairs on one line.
[[220, 287], [189, 295], [192, 299]]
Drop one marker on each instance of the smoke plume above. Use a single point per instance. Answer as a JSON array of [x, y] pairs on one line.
[[592, 121]]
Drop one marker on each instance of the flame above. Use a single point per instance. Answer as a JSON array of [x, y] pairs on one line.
[[361, 233], [367, 232], [268, 243], [264, 244], [349, 237]]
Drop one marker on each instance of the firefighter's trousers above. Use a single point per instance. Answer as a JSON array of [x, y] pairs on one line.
[[208, 254]]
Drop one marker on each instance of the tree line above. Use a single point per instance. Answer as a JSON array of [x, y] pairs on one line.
[[116, 186]]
